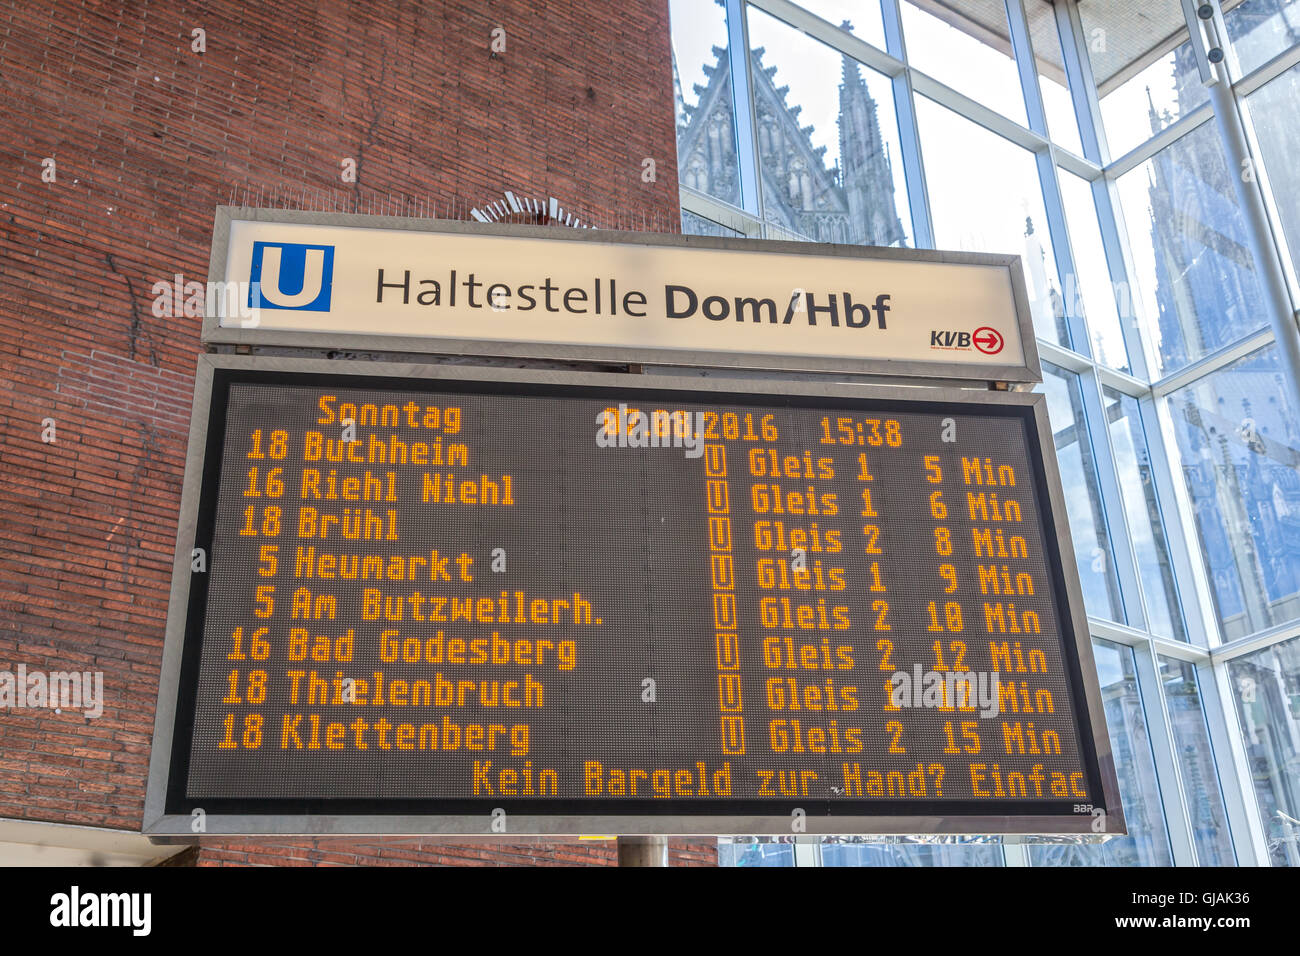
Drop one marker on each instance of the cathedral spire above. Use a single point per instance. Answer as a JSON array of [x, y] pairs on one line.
[[679, 101], [1152, 115], [865, 174]]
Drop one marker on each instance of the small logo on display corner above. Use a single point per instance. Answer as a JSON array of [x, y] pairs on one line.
[[291, 275], [987, 340]]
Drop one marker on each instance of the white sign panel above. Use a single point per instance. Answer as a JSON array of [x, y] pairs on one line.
[[550, 292]]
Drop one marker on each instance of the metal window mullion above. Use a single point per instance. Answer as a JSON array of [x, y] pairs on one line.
[[1123, 382], [1253, 643], [1214, 362], [1015, 853], [1263, 75], [1083, 168], [1160, 141], [1023, 52], [807, 852], [1189, 574], [1063, 357], [1164, 747], [715, 210], [1132, 601], [824, 31], [742, 86], [1178, 650], [1183, 523], [1119, 262], [892, 17], [1114, 240], [976, 112], [1063, 252], [909, 133], [1114, 632], [1236, 776], [1124, 634], [1083, 90]]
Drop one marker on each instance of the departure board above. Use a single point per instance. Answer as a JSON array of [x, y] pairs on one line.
[[450, 596]]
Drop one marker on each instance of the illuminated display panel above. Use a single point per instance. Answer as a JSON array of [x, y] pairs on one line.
[[446, 597]]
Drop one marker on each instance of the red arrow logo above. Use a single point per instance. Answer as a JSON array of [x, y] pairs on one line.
[[989, 341]]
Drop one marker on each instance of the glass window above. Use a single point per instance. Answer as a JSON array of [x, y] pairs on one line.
[[693, 225], [708, 159], [1062, 124], [755, 854], [1142, 511], [1145, 78], [1004, 214], [1092, 550], [1091, 288], [1137, 108], [1273, 112], [828, 141], [1196, 764], [1193, 268], [966, 46], [1239, 441], [1266, 686], [941, 851], [1147, 842], [860, 17], [1261, 29]]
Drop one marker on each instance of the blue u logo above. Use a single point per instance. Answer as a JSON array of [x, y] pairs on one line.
[[290, 275]]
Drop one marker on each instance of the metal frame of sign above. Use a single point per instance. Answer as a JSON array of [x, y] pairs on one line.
[[171, 818], [1022, 368]]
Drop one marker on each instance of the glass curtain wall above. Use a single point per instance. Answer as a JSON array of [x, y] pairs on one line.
[[1082, 136]]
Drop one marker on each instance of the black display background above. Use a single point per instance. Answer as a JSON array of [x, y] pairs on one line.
[[682, 623]]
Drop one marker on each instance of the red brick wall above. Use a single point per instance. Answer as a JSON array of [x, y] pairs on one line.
[[148, 137]]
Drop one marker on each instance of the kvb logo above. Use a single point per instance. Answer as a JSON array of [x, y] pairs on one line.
[[987, 340], [290, 275], [949, 339]]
